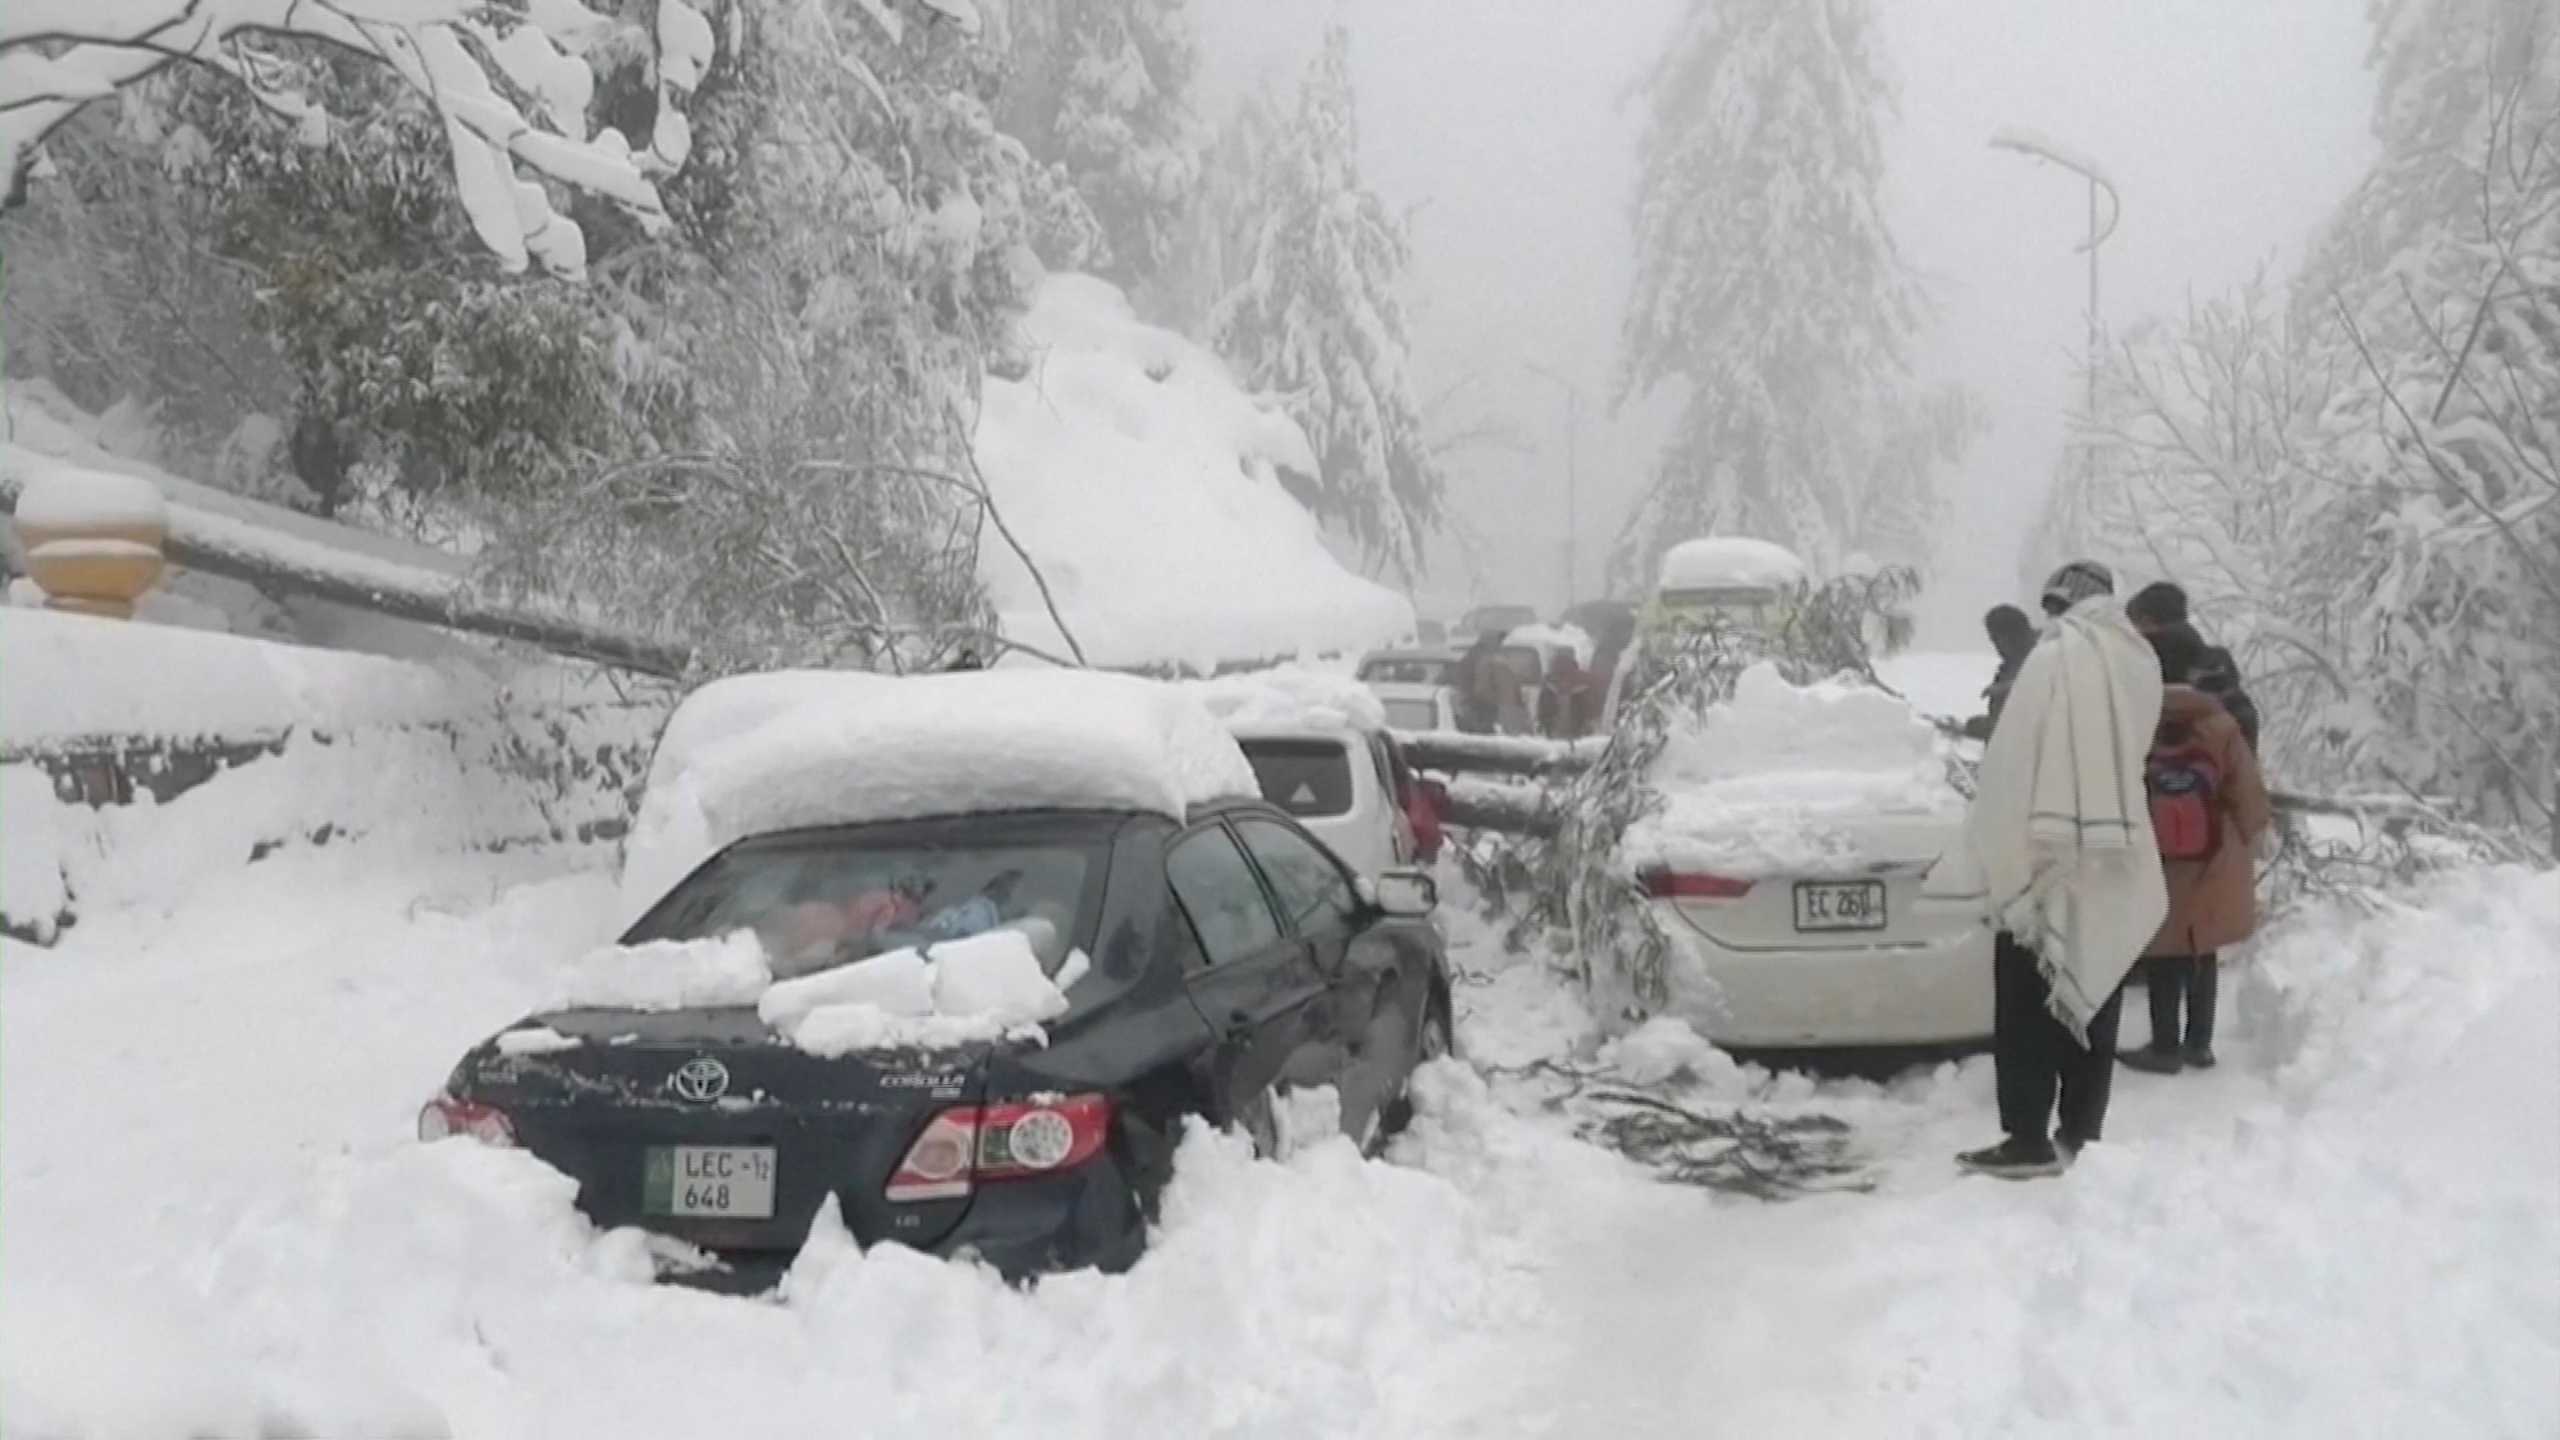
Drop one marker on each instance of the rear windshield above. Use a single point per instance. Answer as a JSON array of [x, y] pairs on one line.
[[1407, 670], [1524, 662], [1308, 778], [1411, 714], [833, 897]]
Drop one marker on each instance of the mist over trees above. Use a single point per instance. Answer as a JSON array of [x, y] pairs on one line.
[[1769, 291], [2355, 469]]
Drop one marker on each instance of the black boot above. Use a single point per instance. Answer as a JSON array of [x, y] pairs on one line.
[[2016, 1158], [2203, 991]]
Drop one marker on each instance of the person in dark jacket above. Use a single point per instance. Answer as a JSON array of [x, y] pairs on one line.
[[2209, 808], [2012, 636], [2162, 605], [1477, 714]]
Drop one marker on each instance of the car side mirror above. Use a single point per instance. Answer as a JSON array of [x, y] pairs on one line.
[[1406, 894]]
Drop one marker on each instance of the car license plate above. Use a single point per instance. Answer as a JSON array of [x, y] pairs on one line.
[[1839, 905], [732, 1182]]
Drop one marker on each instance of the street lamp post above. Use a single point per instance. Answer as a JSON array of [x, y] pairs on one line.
[[2027, 142], [1572, 505]]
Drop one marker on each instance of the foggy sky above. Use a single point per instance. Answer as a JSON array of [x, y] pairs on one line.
[[1507, 129]]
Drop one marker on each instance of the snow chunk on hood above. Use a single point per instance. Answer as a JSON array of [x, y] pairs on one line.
[[955, 992], [1291, 697], [1799, 780], [668, 975], [809, 749]]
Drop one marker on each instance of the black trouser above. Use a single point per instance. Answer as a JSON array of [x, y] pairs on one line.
[[2196, 979], [2034, 1056]]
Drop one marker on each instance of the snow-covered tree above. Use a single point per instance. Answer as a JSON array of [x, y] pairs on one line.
[[1101, 89], [1769, 289], [510, 85], [1314, 316], [2359, 480]]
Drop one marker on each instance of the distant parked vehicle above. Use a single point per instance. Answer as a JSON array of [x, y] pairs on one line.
[[1416, 666], [1417, 707]]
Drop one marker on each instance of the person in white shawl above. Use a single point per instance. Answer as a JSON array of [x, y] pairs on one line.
[[2058, 856]]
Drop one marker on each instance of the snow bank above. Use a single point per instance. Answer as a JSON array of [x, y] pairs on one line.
[[667, 975], [859, 752], [73, 676], [1290, 697], [1729, 560], [1142, 480], [1797, 780]]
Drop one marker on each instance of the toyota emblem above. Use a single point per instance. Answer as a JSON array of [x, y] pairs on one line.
[[701, 1080]]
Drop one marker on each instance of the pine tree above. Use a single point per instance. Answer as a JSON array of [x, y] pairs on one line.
[[1101, 90], [1769, 287], [1315, 317]]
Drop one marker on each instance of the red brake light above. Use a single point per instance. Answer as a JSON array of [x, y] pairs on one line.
[[445, 1116], [1692, 885], [1012, 1141]]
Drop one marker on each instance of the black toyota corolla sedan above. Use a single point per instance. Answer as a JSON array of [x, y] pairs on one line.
[[1231, 957]]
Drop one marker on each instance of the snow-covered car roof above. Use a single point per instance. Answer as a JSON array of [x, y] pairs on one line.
[[1728, 560], [792, 750]]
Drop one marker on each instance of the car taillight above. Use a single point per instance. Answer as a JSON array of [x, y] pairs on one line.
[[445, 1116], [1692, 885], [1013, 1141]]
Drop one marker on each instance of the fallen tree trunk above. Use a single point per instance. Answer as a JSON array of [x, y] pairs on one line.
[[1500, 805], [1450, 750]]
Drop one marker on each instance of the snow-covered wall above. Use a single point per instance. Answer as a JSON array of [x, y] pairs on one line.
[[1143, 481], [138, 762]]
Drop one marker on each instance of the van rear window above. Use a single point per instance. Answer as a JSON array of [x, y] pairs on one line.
[[1310, 779]]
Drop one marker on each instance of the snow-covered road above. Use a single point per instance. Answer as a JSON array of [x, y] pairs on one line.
[[215, 1222]]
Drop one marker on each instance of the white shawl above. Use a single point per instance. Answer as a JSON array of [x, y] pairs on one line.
[[2058, 849]]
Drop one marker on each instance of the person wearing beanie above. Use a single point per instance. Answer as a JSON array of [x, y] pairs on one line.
[[2057, 858]]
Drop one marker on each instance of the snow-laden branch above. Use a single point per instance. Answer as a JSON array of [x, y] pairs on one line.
[[505, 76]]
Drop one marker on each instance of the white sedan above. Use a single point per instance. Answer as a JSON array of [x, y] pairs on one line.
[[1785, 864]]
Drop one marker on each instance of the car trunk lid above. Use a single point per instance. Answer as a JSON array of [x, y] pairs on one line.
[[643, 1106]]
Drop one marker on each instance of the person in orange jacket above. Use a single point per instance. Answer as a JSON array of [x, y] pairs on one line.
[[2209, 809]]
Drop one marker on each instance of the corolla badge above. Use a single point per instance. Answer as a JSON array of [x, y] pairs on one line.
[[701, 1080]]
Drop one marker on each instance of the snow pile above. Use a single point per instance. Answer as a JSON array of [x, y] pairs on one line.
[[760, 760], [306, 747], [1729, 561], [667, 975], [1290, 697], [988, 986], [74, 676], [1798, 780], [1143, 482], [2357, 992]]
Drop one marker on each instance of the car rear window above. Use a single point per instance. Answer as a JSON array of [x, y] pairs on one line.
[[835, 897], [1310, 779], [1411, 714]]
